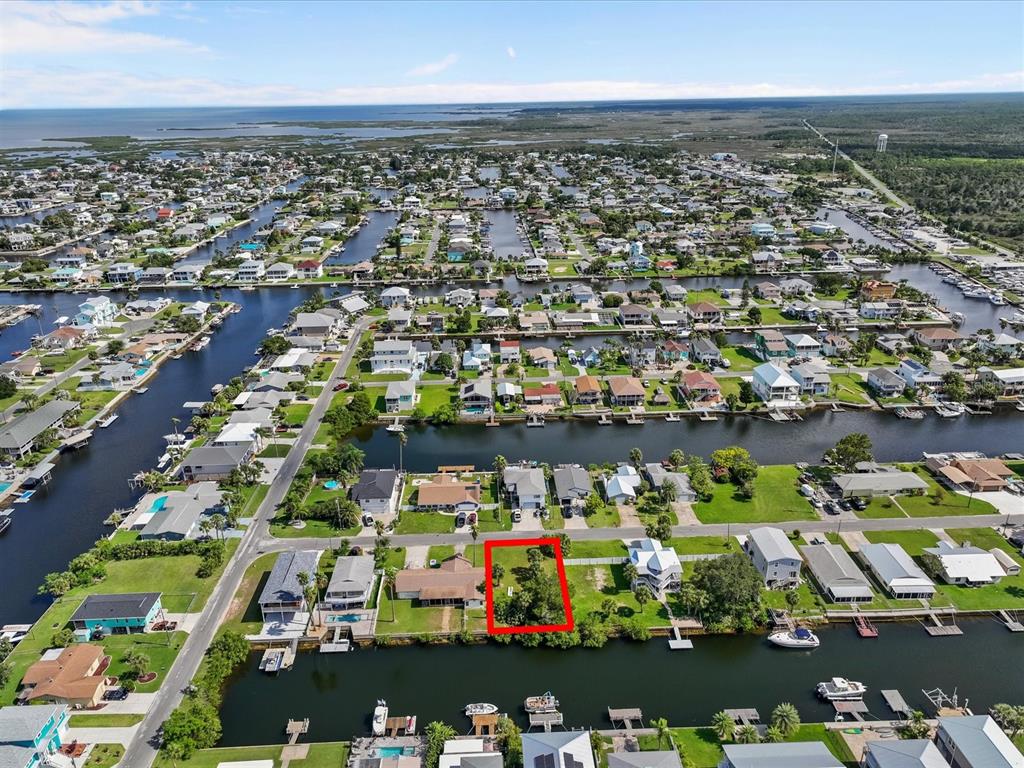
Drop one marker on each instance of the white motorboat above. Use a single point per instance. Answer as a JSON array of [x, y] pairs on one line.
[[481, 709], [801, 637], [546, 702], [841, 689], [380, 717]]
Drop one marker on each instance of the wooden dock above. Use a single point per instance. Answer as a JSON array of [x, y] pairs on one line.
[[485, 725], [938, 629], [626, 717], [400, 725], [856, 709], [545, 720], [296, 728], [748, 716], [894, 700], [864, 627]]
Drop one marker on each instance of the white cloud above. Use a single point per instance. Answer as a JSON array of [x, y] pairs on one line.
[[511, 52], [433, 67], [26, 88], [45, 27]]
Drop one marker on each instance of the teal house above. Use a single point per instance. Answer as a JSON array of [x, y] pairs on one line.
[[119, 614], [29, 734]]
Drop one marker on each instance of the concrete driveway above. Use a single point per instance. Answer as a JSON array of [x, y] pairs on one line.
[[1007, 503]]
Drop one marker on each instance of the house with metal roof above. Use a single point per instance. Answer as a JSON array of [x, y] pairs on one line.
[[564, 749], [774, 556], [18, 437], [282, 595], [468, 753], [976, 742], [351, 583], [214, 462], [967, 565], [644, 759], [807, 754], [836, 574], [29, 734], [525, 486], [871, 484], [902, 753], [896, 571], [775, 386], [657, 566], [572, 484], [175, 515]]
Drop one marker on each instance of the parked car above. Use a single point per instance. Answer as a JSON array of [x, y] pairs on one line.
[[517, 516], [367, 520], [806, 490], [341, 386]]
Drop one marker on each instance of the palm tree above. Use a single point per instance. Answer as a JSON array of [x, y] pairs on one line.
[[773, 735], [642, 595], [308, 592], [636, 456], [153, 481], [630, 572], [402, 440], [378, 528], [205, 525], [475, 533], [723, 725], [390, 574], [786, 718], [747, 734], [660, 726]]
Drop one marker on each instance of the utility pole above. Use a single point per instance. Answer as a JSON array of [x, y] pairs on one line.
[[835, 157]]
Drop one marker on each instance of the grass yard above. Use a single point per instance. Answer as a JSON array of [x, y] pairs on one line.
[[104, 721], [410, 521], [775, 500], [244, 613], [913, 542], [939, 501], [416, 620], [494, 520], [1008, 593], [606, 517], [590, 585], [296, 415], [104, 756], [703, 749], [318, 529], [702, 545], [609, 548]]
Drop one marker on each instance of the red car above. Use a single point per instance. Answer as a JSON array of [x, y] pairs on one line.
[[341, 386]]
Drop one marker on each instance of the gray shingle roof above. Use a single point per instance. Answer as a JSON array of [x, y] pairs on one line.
[[835, 570], [18, 724], [809, 754], [127, 605], [29, 426], [283, 583], [351, 574], [375, 484]]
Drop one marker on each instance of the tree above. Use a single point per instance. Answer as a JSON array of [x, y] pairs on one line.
[[700, 477], [642, 595], [773, 735], [754, 314], [135, 663], [732, 584], [723, 725], [954, 386], [742, 467], [7, 387], [474, 532], [630, 573], [786, 719], [1010, 718], [437, 734], [660, 530], [510, 742], [915, 727], [792, 598], [660, 726], [747, 394], [497, 573], [747, 734], [677, 458], [390, 577], [194, 725], [636, 456], [850, 450]]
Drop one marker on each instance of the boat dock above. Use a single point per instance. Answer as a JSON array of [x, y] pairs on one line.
[[1010, 622], [626, 717], [677, 642], [400, 725], [77, 440], [484, 725], [937, 629], [864, 627], [894, 700], [747, 716], [855, 709], [276, 659], [546, 720], [296, 728]]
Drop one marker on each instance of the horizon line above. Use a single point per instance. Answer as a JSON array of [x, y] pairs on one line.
[[540, 101]]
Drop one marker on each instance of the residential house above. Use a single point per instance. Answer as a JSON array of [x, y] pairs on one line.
[[976, 741], [477, 394], [71, 676], [902, 753], [703, 350], [546, 394], [466, 753], [634, 314], [775, 386], [250, 271], [588, 390], [507, 392], [886, 383], [116, 614], [123, 272], [280, 270], [795, 286], [176, 515], [871, 484], [393, 356], [659, 476], [916, 375], [19, 436], [813, 379], [626, 391], [802, 345], [974, 475], [705, 312], [774, 557], [877, 290], [400, 396], [881, 310], [455, 582], [283, 595], [214, 462], [798, 754], [449, 494], [1010, 380], [509, 351], [938, 338], [351, 583], [895, 570], [837, 576], [377, 491], [572, 485], [767, 290], [526, 487], [309, 269], [96, 311], [30, 736], [657, 566], [770, 344], [834, 345], [395, 296], [623, 486], [967, 565], [558, 749]]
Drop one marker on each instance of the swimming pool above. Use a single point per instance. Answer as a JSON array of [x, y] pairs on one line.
[[395, 751], [158, 504], [348, 618], [4, 487], [330, 485]]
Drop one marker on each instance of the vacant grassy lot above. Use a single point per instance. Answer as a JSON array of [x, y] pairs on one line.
[[913, 542], [590, 585], [775, 500], [936, 502]]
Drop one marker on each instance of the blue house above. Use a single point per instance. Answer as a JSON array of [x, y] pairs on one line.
[[119, 614], [28, 734]]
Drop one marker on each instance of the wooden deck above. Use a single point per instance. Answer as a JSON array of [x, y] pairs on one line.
[[485, 725], [748, 716], [626, 717], [400, 725], [894, 700], [545, 720], [296, 728]]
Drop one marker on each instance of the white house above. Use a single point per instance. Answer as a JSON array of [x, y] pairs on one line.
[[525, 486], [394, 296], [775, 387], [967, 565], [250, 270], [97, 311], [774, 556], [393, 355], [896, 571], [623, 486], [656, 565]]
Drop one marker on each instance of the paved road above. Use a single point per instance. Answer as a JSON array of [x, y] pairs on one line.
[[435, 238], [142, 750], [272, 544]]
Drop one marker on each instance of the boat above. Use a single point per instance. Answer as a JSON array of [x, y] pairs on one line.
[[396, 427], [216, 389], [380, 718], [201, 344], [5, 523], [140, 390], [546, 702], [997, 299], [801, 637], [108, 421], [841, 689], [957, 318], [481, 709]]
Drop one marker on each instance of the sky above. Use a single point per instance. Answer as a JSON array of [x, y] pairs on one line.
[[134, 53]]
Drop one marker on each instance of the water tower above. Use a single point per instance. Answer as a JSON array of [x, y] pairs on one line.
[[883, 139]]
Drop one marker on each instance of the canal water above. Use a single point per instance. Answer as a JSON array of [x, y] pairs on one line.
[[769, 442], [338, 691], [504, 234], [362, 246], [65, 516]]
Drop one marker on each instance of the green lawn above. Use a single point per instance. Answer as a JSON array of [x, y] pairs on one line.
[[410, 521], [608, 548], [606, 517], [1008, 593], [590, 585], [103, 721], [775, 500], [413, 619], [296, 415], [318, 529], [939, 501], [701, 545], [913, 542], [703, 749], [104, 756], [244, 613]]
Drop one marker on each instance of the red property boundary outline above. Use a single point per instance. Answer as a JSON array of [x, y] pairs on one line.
[[560, 565]]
